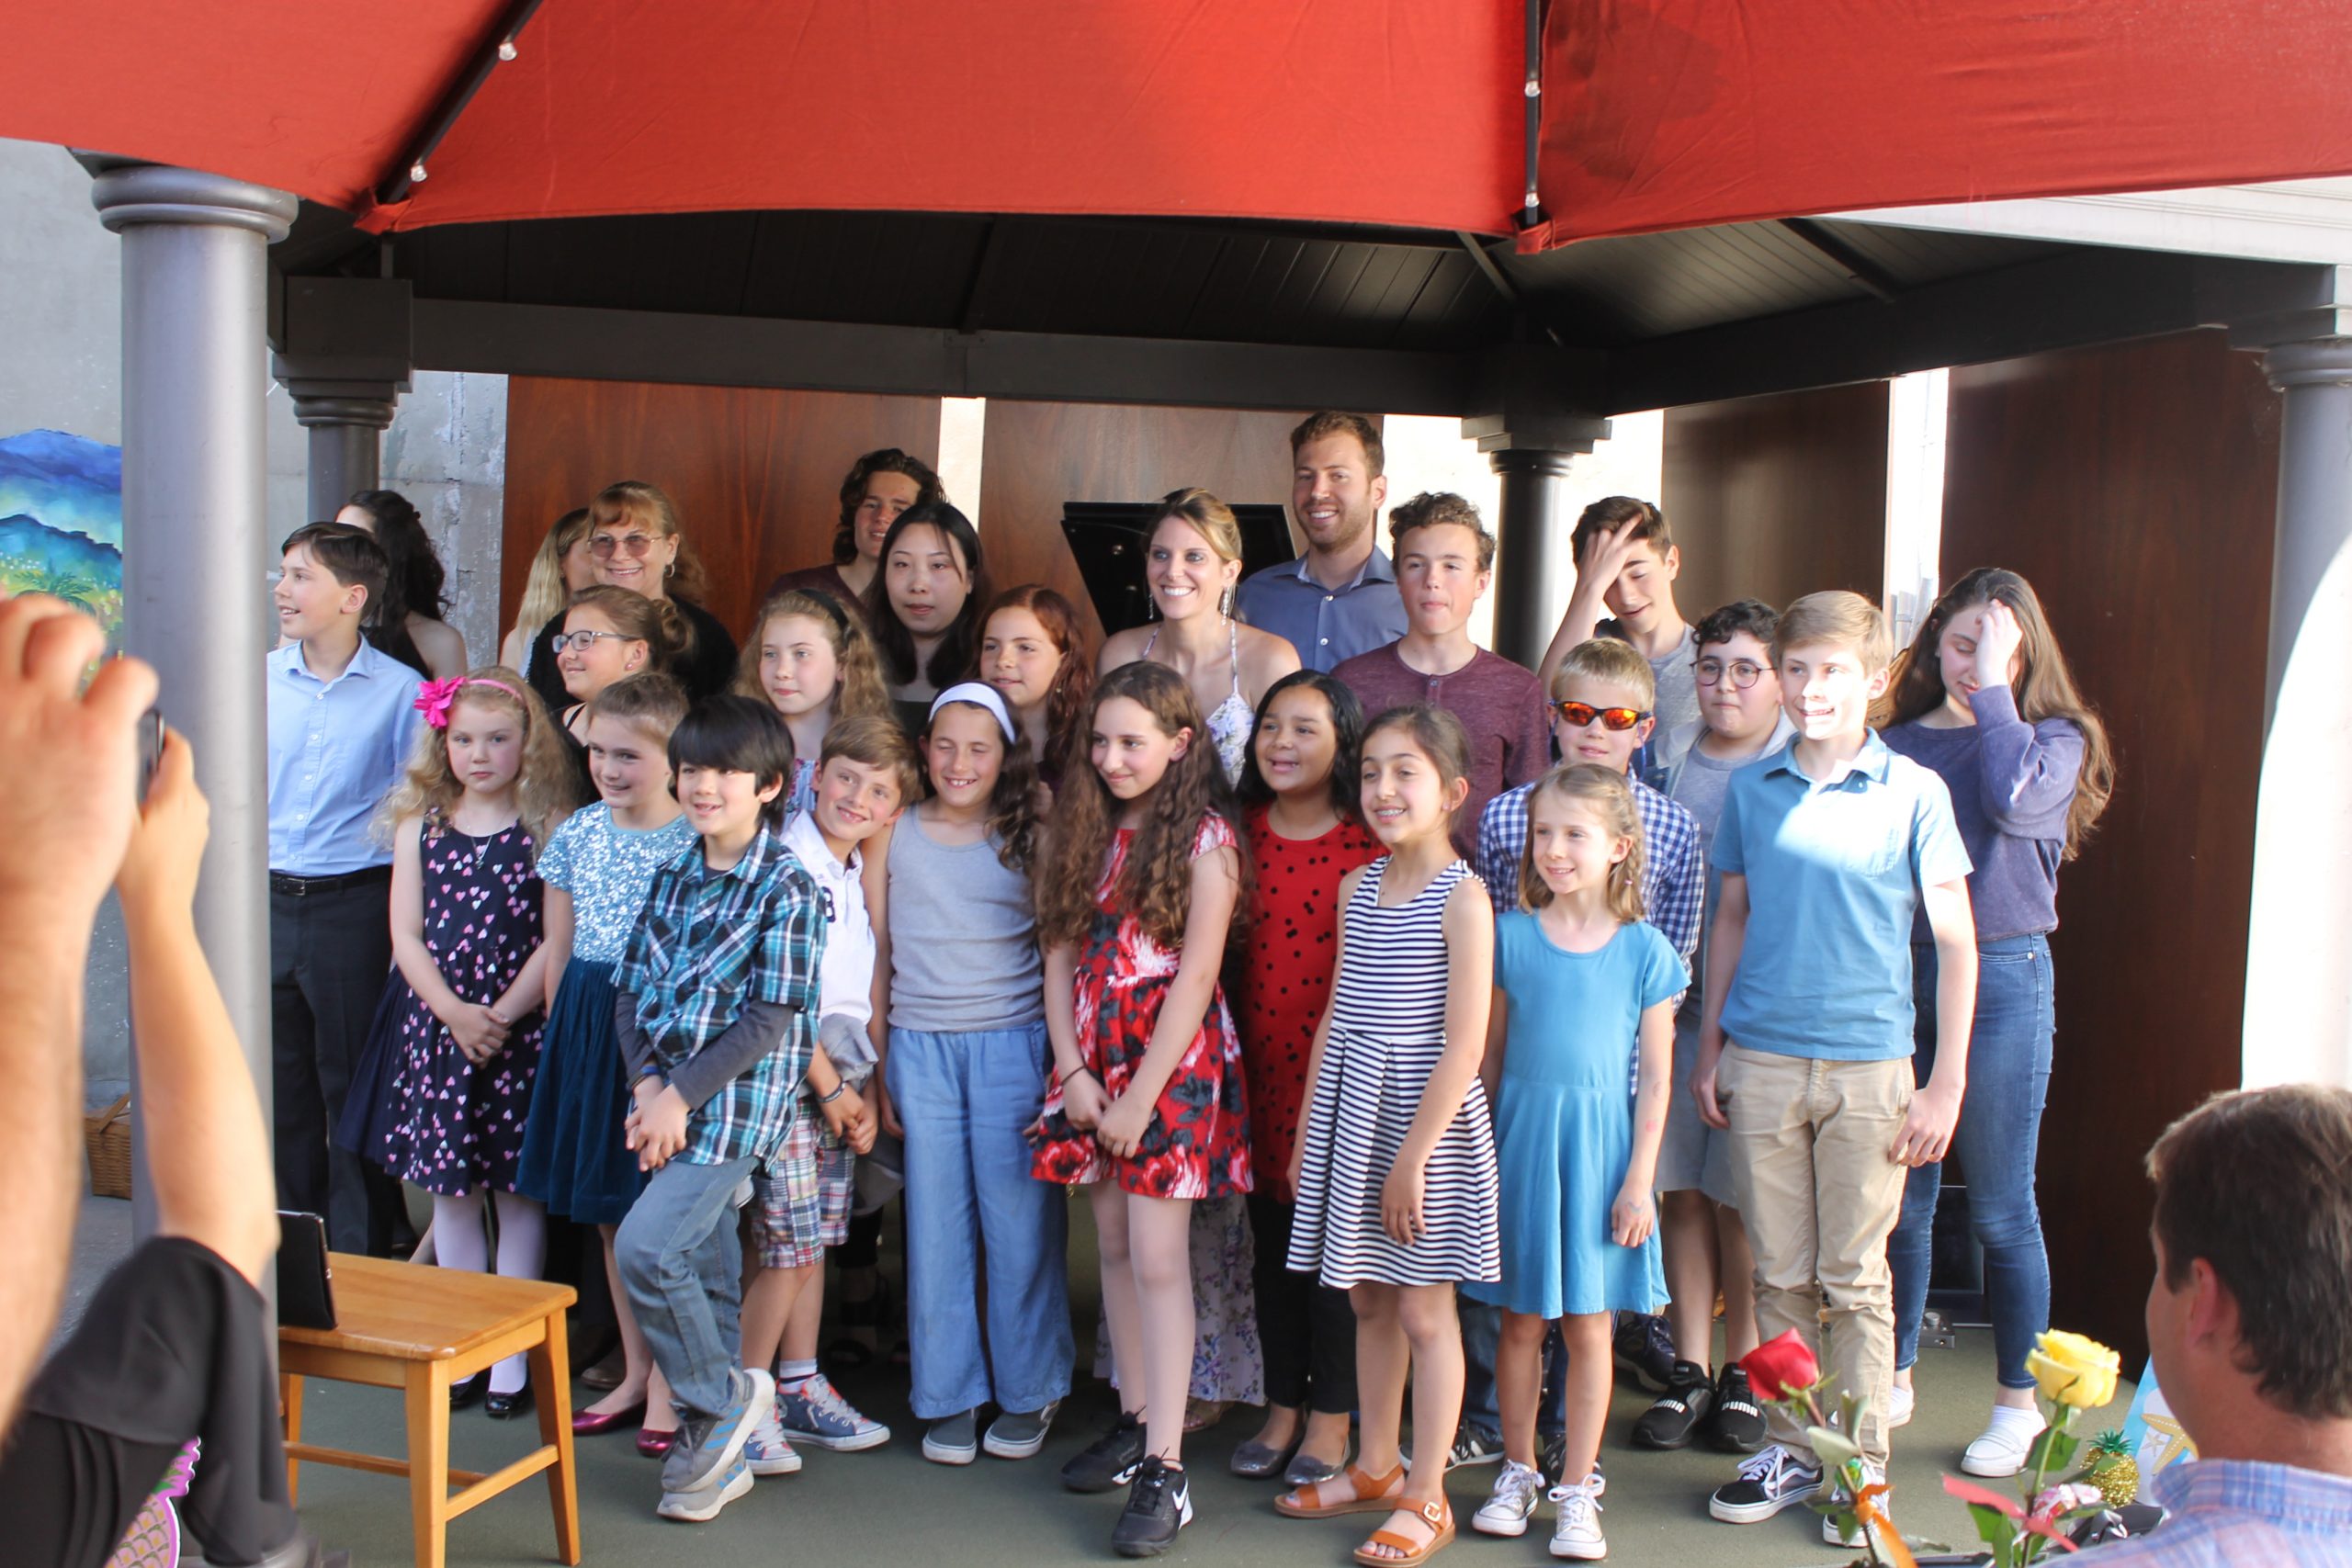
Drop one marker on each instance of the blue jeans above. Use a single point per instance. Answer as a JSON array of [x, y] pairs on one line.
[[683, 1268], [964, 1099], [1482, 1333], [2000, 1125]]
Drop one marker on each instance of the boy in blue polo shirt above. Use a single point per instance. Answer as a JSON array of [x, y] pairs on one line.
[[715, 1004], [1826, 850]]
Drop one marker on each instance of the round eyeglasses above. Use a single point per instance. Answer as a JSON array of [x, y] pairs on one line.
[[565, 642], [1744, 673]]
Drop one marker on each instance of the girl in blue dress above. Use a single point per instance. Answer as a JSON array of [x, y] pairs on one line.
[[1581, 981]]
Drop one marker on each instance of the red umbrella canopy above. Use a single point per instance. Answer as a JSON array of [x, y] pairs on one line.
[[1404, 112], [1671, 113], [1658, 113]]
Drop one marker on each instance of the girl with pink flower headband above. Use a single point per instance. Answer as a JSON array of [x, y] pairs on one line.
[[443, 1090]]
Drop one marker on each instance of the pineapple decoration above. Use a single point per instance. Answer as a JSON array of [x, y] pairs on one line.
[[2113, 1469]]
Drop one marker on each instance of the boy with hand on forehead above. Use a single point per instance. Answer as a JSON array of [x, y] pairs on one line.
[[1600, 713], [1827, 852], [1627, 564]]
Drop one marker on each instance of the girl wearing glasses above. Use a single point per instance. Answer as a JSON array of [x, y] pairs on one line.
[[635, 542], [609, 634], [1984, 697]]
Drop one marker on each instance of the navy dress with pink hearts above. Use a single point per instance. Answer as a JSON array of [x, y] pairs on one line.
[[448, 1124]]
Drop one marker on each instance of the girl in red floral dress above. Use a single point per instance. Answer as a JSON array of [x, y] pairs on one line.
[[1135, 899]]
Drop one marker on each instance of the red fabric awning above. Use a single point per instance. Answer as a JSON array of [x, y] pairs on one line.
[[1672, 113], [1658, 113]]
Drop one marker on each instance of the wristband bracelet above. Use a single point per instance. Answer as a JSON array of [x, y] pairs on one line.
[[839, 1089]]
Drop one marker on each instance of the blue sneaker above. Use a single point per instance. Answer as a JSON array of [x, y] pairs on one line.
[[816, 1415], [698, 1506], [767, 1452], [708, 1446]]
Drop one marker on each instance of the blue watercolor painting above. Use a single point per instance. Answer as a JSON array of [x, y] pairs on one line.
[[60, 520]]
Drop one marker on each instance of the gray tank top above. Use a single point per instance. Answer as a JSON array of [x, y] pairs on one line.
[[963, 937]]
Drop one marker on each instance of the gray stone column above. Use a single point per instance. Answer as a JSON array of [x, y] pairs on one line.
[[346, 422], [2299, 968], [1530, 455], [1537, 514], [195, 248]]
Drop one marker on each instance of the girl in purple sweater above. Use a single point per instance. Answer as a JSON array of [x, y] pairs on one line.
[[1984, 697]]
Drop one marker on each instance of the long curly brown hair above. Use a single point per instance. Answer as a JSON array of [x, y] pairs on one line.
[[543, 785], [1156, 884], [1069, 701], [1013, 802], [2045, 687], [860, 692]]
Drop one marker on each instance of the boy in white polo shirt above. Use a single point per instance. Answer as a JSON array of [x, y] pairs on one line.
[[866, 774], [1826, 850]]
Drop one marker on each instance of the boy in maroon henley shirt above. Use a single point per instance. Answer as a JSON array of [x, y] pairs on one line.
[[1444, 560]]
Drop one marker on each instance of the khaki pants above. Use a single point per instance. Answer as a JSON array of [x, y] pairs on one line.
[[1809, 1144]]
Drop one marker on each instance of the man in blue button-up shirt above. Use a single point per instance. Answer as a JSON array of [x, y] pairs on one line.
[[342, 722], [1340, 599]]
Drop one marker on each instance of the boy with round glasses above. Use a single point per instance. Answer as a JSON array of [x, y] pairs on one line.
[[1700, 1231]]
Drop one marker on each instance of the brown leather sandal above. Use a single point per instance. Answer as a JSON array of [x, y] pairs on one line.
[[1410, 1553], [1350, 1492]]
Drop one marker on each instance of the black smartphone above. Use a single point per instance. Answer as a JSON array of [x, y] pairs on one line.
[[151, 748]]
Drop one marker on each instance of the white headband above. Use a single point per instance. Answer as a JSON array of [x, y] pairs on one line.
[[980, 694]]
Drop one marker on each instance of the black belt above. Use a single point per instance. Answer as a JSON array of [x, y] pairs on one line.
[[311, 886]]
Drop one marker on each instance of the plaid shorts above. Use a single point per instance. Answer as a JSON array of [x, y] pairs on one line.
[[801, 1195]]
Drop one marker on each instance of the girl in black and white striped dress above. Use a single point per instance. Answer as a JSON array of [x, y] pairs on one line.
[[1394, 1170]]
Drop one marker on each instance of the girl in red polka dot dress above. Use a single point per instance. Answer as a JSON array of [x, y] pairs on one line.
[[1136, 896], [1306, 832]]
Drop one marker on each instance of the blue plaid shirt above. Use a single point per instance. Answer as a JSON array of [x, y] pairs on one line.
[[706, 944], [1674, 879], [2231, 1512]]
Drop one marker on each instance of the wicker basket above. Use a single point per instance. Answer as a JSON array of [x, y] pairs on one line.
[[107, 1135]]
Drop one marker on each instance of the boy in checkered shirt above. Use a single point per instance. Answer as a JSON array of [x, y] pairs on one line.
[[715, 1008]]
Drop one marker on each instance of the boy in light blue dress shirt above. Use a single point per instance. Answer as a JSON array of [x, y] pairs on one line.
[[342, 724]]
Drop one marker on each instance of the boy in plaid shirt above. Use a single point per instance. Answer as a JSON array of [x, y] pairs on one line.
[[716, 1009]]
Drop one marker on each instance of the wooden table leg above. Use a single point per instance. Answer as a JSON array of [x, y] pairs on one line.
[[428, 1461], [551, 1385], [290, 1399]]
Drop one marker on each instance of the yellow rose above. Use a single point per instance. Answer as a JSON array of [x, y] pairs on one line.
[[2074, 1370]]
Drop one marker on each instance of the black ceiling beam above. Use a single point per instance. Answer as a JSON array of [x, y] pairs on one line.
[[2087, 297], [1867, 274], [737, 351]]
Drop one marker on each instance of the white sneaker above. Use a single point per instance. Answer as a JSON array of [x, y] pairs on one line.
[[766, 1451], [2001, 1450], [1577, 1532], [1506, 1509], [1831, 1531], [1899, 1406]]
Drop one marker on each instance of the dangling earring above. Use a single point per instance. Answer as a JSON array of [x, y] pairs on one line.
[[1225, 603]]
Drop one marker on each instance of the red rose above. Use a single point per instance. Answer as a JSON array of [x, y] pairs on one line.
[[1782, 1368]]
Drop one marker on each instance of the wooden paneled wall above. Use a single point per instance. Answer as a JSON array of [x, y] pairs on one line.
[[1035, 457], [1775, 497], [755, 474], [2133, 485]]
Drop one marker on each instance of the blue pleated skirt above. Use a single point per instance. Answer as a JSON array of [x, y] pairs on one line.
[[573, 1160]]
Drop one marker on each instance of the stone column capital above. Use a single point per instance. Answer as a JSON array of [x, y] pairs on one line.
[[2314, 362], [157, 193], [1535, 462], [364, 404]]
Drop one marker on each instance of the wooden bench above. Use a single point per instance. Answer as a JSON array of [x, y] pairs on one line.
[[420, 1329]]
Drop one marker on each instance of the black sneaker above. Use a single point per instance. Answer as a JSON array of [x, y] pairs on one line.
[[1644, 1348], [1109, 1462], [1736, 1424], [1472, 1445], [1674, 1420], [1769, 1482], [1159, 1505]]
